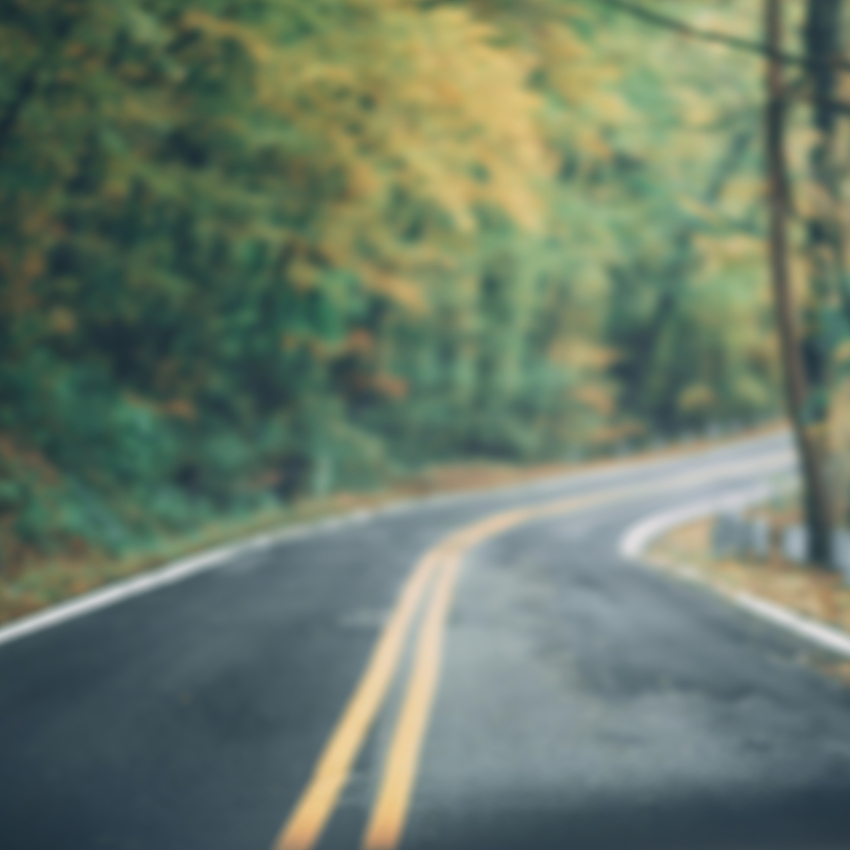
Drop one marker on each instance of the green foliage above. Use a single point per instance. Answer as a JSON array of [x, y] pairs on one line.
[[254, 249]]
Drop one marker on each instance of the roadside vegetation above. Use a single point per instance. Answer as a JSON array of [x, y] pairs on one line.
[[257, 252], [52, 577]]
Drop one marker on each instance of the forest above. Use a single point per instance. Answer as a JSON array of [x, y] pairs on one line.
[[256, 249]]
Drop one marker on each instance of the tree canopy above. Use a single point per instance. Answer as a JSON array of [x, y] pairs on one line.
[[262, 247]]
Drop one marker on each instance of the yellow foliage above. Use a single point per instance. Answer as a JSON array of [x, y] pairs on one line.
[[696, 398], [598, 398], [698, 108], [359, 341], [841, 355], [62, 320], [750, 391], [404, 292], [741, 193], [581, 353], [419, 101], [389, 386], [180, 408], [729, 251], [302, 274]]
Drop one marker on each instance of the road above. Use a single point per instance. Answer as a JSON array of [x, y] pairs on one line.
[[475, 672]]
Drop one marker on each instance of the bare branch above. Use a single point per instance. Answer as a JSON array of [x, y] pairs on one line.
[[649, 16]]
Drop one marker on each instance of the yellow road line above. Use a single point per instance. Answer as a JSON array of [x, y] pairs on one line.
[[308, 819], [318, 800], [390, 809], [304, 827], [389, 812]]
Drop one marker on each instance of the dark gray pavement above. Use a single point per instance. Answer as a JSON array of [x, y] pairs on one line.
[[584, 702]]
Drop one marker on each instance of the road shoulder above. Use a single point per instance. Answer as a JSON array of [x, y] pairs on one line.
[[814, 605]]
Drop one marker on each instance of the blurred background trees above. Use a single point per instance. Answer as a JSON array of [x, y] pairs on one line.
[[255, 249]]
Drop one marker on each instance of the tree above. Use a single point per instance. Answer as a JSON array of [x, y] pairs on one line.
[[808, 429], [828, 309], [258, 249], [805, 352]]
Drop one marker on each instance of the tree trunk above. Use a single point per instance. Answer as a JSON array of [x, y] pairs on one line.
[[809, 435], [828, 284], [829, 295]]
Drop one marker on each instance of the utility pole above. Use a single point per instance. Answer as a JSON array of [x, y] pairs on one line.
[[809, 434]]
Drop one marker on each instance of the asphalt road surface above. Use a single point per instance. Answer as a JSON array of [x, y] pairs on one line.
[[476, 672]]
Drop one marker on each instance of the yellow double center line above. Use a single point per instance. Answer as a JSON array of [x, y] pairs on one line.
[[438, 571]]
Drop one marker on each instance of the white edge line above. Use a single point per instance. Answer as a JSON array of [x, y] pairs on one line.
[[183, 568], [830, 638], [172, 573], [638, 537]]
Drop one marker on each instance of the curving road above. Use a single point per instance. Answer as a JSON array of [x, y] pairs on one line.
[[474, 672]]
